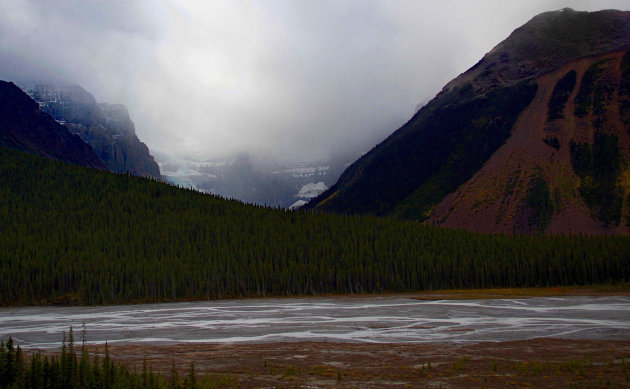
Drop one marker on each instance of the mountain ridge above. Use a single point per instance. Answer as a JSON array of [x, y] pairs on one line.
[[445, 144], [108, 128], [23, 126]]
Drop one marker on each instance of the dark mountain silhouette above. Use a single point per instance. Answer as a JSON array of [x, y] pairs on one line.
[[24, 126]]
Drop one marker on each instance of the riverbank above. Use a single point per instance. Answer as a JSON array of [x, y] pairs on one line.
[[598, 290], [622, 289], [616, 289], [540, 363]]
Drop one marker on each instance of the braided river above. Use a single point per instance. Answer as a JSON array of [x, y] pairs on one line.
[[393, 319]]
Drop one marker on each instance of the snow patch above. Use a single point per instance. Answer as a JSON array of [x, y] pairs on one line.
[[298, 204], [311, 190]]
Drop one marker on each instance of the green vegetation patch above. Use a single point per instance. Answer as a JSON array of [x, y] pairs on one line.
[[560, 95], [624, 88], [552, 142], [624, 91], [77, 235], [599, 168], [624, 112], [540, 203], [581, 158], [584, 101]]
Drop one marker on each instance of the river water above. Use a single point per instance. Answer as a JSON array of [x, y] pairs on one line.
[[369, 319]]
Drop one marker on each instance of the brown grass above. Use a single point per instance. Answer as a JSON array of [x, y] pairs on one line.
[[622, 289], [537, 363]]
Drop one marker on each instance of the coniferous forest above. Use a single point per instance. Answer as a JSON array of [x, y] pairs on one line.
[[75, 368], [76, 235]]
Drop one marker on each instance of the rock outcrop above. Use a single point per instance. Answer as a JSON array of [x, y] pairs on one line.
[[107, 128], [25, 127]]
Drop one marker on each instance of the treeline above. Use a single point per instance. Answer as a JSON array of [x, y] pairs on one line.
[[75, 368], [75, 235]]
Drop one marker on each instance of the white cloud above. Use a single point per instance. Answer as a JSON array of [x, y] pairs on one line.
[[297, 77]]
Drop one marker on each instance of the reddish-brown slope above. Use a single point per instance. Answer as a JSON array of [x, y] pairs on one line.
[[445, 145], [494, 199]]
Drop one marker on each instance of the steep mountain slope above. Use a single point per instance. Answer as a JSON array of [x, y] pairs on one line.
[[494, 118], [565, 167], [107, 128], [24, 127]]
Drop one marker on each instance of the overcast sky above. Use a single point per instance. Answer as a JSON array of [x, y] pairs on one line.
[[299, 78]]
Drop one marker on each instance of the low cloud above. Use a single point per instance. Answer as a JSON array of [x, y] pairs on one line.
[[297, 79]]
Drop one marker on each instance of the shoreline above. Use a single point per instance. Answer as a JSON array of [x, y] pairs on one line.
[[500, 293], [622, 289]]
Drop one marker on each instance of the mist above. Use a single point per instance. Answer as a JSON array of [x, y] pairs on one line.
[[296, 80]]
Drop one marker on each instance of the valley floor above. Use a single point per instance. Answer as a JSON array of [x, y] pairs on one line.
[[538, 363]]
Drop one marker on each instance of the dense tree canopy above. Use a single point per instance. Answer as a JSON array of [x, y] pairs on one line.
[[78, 235]]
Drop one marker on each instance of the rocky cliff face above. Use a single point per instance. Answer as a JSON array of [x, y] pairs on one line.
[[107, 128], [24, 126], [534, 137]]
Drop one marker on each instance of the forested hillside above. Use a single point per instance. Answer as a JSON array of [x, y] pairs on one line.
[[71, 234]]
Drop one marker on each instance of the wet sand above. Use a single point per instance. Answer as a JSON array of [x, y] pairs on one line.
[[537, 363]]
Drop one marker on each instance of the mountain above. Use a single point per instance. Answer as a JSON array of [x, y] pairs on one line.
[[107, 128], [533, 138], [24, 127], [254, 178]]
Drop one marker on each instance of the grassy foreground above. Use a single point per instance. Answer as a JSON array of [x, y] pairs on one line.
[[539, 363]]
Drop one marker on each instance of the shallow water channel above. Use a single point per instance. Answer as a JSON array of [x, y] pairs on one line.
[[356, 319]]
